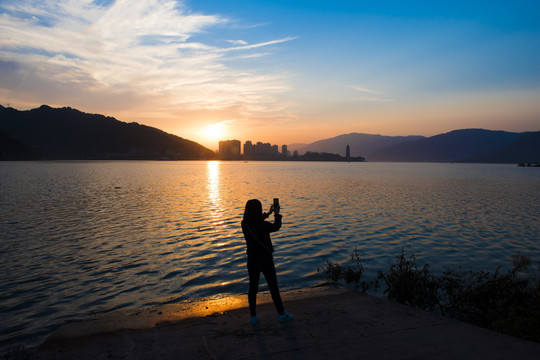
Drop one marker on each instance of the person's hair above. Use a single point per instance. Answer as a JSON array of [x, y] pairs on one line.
[[253, 211]]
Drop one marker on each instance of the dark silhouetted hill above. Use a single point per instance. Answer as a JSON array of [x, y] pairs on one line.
[[525, 149], [468, 145], [66, 133], [361, 144]]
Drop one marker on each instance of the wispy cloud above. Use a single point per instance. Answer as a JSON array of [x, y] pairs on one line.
[[258, 45], [364, 90], [376, 99], [237, 42], [124, 52], [379, 95]]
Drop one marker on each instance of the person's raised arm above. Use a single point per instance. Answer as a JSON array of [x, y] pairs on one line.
[[266, 215], [277, 221]]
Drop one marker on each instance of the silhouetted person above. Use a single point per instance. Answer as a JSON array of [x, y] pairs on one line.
[[259, 252]]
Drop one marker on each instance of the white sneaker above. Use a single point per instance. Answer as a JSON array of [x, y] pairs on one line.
[[285, 317]]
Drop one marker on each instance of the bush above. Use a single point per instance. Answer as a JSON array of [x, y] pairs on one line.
[[505, 302], [407, 284], [350, 272]]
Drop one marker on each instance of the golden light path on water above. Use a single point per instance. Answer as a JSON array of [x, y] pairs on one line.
[[214, 194], [216, 201]]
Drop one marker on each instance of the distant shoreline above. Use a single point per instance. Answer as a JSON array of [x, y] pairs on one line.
[[532, 165]]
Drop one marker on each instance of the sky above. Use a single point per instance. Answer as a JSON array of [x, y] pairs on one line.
[[282, 72]]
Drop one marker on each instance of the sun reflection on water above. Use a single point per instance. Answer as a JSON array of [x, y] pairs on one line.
[[214, 194], [213, 183]]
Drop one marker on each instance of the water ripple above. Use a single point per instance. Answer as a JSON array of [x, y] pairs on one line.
[[92, 237]]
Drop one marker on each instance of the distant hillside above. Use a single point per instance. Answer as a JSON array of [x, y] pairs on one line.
[[361, 144], [525, 149], [66, 133], [295, 147], [467, 145]]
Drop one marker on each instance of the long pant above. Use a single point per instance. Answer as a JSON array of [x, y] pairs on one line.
[[266, 266]]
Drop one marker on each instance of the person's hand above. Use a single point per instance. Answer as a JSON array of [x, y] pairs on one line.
[[271, 210], [276, 209]]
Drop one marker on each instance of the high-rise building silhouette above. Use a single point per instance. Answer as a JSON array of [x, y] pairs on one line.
[[229, 149], [260, 150]]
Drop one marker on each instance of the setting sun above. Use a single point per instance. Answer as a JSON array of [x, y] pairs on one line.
[[214, 131]]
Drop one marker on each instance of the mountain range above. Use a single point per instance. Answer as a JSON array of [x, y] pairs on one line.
[[66, 133], [361, 144], [466, 145]]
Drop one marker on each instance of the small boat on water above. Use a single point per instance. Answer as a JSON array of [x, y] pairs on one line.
[[534, 164]]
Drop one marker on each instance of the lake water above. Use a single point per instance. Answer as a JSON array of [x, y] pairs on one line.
[[80, 238]]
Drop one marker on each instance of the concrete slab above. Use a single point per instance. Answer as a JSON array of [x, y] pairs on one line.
[[329, 322]]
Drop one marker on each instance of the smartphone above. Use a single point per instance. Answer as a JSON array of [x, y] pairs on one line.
[[276, 203]]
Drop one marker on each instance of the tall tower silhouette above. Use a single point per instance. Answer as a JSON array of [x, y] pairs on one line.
[[348, 153]]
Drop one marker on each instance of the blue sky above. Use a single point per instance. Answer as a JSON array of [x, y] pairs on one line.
[[278, 71]]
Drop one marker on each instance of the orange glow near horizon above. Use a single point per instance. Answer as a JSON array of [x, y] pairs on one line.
[[399, 118], [439, 115]]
